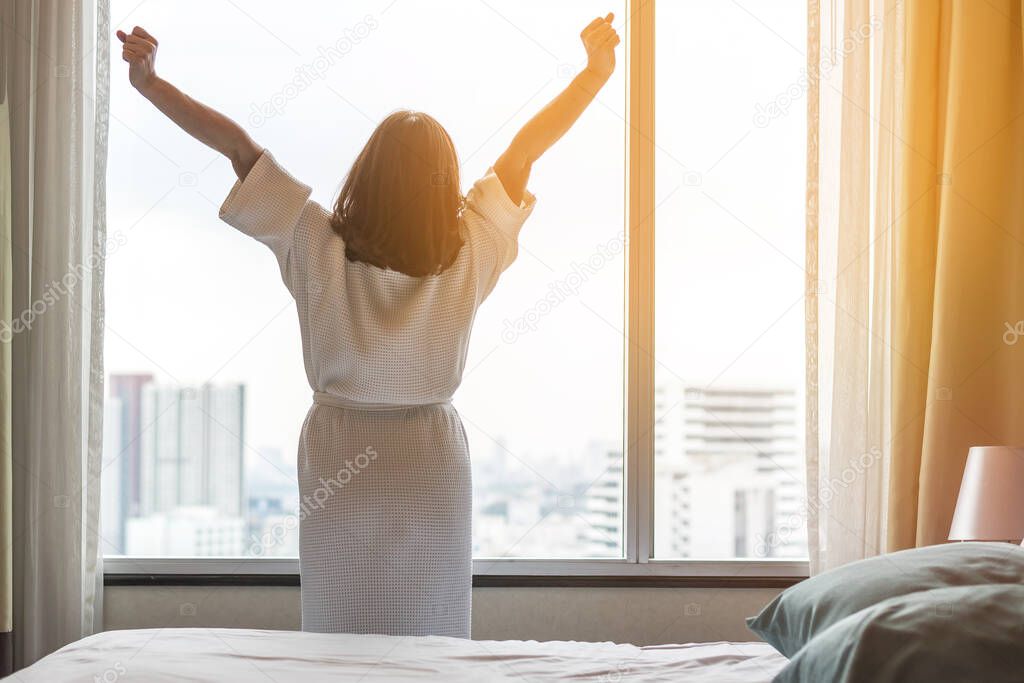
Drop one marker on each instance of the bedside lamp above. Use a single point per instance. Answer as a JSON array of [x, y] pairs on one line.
[[991, 502]]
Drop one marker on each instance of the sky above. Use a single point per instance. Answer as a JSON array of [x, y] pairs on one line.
[[192, 301]]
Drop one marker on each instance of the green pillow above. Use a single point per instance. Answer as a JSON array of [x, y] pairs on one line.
[[969, 633], [794, 617]]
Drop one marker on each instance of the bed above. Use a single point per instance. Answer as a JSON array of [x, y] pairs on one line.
[[228, 655]]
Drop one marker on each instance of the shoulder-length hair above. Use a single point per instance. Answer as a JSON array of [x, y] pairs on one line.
[[399, 206]]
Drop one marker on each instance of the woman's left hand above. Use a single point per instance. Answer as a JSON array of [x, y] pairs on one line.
[[599, 39], [139, 50]]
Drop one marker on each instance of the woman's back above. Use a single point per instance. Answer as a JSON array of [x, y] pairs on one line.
[[372, 335]]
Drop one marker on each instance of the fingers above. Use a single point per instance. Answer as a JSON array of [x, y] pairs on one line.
[[139, 39], [137, 49], [137, 42], [598, 22], [131, 56], [142, 33], [600, 31], [607, 39], [608, 42], [137, 46], [591, 26], [602, 36]]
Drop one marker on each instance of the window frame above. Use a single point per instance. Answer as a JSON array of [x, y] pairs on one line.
[[638, 566]]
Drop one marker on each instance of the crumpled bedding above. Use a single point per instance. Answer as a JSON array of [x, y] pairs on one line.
[[229, 655]]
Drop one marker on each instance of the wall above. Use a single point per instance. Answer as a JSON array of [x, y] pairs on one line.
[[625, 615]]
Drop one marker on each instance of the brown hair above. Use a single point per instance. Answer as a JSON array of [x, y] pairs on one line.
[[400, 203]]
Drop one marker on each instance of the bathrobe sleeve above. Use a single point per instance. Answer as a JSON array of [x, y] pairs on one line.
[[493, 222], [268, 205]]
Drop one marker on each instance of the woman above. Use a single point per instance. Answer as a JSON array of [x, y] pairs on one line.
[[386, 286]]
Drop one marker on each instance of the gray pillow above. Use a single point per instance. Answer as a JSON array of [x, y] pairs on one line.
[[794, 617], [970, 633]]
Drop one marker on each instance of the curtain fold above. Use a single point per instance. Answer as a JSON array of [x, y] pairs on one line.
[[6, 283], [55, 75], [959, 373], [916, 244], [854, 64]]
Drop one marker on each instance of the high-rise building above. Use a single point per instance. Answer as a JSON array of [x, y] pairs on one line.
[[111, 501], [126, 390], [192, 449], [729, 472], [189, 496], [603, 504]]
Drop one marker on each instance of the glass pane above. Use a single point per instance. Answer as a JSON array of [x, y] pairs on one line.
[[729, 279], [207, 391]]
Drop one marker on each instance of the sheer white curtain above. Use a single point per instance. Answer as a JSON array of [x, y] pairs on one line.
[[56, 77], [855, 72]]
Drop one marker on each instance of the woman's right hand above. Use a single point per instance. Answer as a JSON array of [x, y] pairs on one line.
[[139, 50], [600, 39]]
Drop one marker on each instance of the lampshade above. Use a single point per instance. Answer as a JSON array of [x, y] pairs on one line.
[[991, 502]]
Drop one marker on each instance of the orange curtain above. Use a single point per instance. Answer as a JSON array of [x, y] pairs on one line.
[[958, 288]]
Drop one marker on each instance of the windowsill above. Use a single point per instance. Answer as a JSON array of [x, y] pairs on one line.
[[487, 573]]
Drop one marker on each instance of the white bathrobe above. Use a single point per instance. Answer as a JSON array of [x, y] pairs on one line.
[[383, 462]]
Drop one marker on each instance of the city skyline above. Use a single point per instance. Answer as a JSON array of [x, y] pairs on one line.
[[728, 480]]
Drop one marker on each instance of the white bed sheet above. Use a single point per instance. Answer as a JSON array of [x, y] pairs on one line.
[[229, 655]]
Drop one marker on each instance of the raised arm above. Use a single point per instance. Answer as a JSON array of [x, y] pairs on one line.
[[552, 122], [201, 122]]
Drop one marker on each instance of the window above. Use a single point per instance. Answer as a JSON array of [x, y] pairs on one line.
[[206, 386], [207, 391], [731, 126]]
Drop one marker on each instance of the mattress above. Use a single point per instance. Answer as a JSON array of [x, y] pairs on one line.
[[229, 655]]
